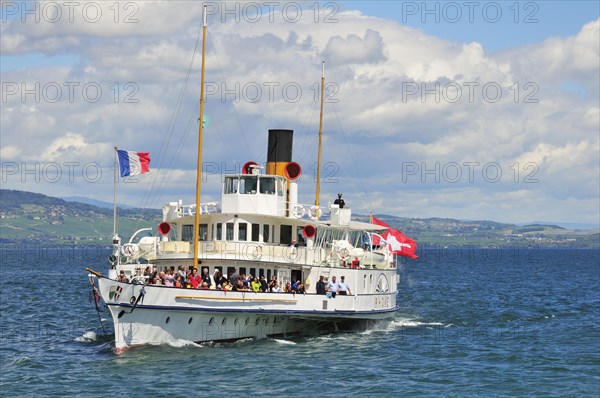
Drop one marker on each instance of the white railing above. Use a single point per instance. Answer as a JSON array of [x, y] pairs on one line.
[[304, 211], [205, 208]]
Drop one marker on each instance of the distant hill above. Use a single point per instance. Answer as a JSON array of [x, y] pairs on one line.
[[27, 216], [94, 202]]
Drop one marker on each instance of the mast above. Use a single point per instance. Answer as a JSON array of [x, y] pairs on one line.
[[320, 135], [199, 165]]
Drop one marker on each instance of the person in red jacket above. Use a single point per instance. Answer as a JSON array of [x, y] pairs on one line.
[[195, 279]]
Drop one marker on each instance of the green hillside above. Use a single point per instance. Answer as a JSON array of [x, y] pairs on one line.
[[27, 216], [35, 217]]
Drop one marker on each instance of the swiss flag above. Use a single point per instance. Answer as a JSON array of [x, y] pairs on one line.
[[399, 243]]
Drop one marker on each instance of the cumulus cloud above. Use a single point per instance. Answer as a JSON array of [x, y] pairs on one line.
[[354, 49]]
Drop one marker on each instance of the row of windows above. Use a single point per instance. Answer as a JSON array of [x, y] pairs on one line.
[[187, 233], [225, 231], [251, 184]]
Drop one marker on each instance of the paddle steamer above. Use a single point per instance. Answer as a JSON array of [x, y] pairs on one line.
[[258, 228]]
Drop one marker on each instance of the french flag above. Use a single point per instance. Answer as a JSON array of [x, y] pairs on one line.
[[133, 163]]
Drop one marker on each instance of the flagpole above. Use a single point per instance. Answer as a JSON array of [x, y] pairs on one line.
[[320, 135], [199, 165], [115, 193]]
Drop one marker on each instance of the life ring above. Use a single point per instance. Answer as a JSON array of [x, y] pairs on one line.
[[315, 212], [292, 253], [211, 207], [138, 280], [343, 253], [298, 211], [257, 253], [191, 210], [129, 249], [252, 251]]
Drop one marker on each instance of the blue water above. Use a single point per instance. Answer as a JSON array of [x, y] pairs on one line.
[[473, 323]]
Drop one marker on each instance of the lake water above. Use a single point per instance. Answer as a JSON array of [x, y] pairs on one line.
[[518, 322]]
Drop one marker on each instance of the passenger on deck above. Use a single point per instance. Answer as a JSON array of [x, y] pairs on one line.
[[339, 201], [206, 276], [295, 285], [255, 285], [264, 286], [272, 282], [355, 263], [148, 275], [182, 272], [333, 287], [276, 288], [321, 286], [343, 286], [219, 279], [288, 288], [239, 287], [194, 279], [300, 289], [225, 285], [169, 279], [217, 275], [123, 277], [178, 282], [234, 278], [204, 286], [246, 280]]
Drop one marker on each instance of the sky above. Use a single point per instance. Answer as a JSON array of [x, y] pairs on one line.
[[475, 110]]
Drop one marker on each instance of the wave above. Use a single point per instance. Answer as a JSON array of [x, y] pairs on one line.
[[412, 322], [87, 337], [281, 341], [183, 343], [21, 361]]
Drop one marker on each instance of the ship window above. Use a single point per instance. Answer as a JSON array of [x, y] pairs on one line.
[[248, 184], [268, 275], [229, 231], [266, 229], [203, 232], [261, 272], [285, 234], [242, 270], [230, 271], [231, 185], [219, 231], [243, 231], [255, 232], [300, 236], [253, 272], [280, 186], [187, 233], [267, 185]]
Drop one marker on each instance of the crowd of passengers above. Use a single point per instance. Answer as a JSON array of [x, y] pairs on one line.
[[183, 278]]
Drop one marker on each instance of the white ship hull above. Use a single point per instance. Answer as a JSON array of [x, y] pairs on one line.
[[166, 314]]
